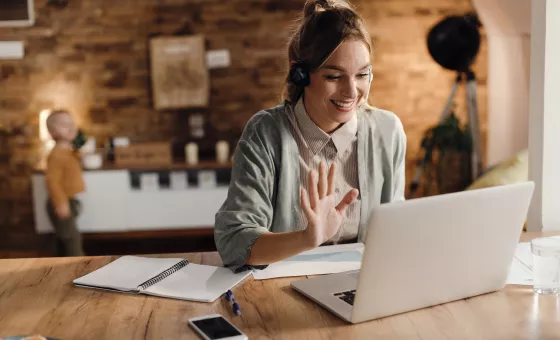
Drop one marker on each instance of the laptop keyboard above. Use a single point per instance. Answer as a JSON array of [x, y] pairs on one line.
[[347, 296]]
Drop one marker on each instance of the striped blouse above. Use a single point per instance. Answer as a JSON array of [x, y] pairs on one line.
[[340, 146]]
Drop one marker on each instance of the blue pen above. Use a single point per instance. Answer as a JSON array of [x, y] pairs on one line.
[[235, 306]]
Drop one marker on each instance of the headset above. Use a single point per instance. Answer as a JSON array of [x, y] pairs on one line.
[[299, 75]]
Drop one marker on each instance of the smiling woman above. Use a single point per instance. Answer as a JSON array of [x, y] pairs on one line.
[[339, 86], [307, 172]]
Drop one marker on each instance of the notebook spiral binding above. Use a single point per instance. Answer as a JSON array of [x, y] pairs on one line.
[[163, 275]]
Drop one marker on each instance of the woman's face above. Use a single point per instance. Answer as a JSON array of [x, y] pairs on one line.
[[339, 86]]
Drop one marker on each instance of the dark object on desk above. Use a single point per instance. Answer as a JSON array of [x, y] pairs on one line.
[[215, 326], [235, 307]]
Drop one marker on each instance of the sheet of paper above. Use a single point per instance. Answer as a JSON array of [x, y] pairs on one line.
[[519, 274], [321, 260], [520, 271], [524, 255], [347, 257]]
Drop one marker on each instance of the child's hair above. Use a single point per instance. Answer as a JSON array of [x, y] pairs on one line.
[[323, 26]]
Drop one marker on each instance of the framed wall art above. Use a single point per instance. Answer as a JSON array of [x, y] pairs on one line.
[[179, 75]]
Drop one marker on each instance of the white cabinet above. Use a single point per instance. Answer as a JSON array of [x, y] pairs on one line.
[[110, 204], [103, 202], [191, 207]]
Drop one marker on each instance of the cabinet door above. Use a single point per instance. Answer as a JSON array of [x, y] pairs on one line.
[[103, 202], [42, 223], [163, 209]]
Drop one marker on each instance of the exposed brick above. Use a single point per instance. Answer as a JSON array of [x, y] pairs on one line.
[[98, 51], [98, 115], [13, 104], [116, 78], [6, 71], [122, 102], [104, 47]]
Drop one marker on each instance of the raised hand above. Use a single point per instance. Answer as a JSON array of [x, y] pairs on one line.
[[324, 216]]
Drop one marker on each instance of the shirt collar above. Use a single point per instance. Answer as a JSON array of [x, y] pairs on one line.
[[316, 138], [345, 135]]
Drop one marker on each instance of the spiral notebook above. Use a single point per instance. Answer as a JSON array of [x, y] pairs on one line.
[[165, 277]]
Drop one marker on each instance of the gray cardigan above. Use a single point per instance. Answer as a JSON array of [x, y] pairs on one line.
[[264, 190]]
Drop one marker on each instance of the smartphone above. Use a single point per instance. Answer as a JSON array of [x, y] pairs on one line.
[[215, 326]]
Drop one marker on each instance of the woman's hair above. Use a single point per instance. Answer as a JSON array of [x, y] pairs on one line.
[[323, 26]]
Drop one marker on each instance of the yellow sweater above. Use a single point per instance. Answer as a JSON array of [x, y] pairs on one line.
[[63, 175]]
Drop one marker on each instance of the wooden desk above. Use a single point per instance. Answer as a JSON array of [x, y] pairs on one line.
[[37, 296]]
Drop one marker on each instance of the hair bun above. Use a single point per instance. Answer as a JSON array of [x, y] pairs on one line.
[[313, 6], [325, 4]]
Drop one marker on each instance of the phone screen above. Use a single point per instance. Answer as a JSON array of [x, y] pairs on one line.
[[216, 328]]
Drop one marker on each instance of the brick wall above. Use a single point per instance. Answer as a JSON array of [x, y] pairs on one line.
[[91, 56]]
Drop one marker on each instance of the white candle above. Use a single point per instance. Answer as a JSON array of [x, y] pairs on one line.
[[222, 151], [191, 153]]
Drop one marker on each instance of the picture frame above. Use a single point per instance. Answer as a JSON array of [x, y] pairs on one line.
[[179, 74]]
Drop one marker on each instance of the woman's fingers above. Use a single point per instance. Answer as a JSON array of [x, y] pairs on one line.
[[305, 205], [330, 179], [313, 195], [348, 199], [323, 184]]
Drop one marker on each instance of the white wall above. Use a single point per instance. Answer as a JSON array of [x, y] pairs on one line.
[[507, 24], [544, 121], [508, 96]]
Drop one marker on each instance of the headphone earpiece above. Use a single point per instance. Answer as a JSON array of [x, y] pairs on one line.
[[299, 75]]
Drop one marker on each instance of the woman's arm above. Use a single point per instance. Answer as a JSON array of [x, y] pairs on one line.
[[324, 220], [247, 212], [274, 247], [242, 227]]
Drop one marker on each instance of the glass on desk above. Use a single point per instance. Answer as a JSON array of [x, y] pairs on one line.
[[546, 265]]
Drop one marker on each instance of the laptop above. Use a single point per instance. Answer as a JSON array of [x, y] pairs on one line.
[[428, 251]]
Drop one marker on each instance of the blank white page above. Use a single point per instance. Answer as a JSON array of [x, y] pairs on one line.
[[197, 283], [126, 273]]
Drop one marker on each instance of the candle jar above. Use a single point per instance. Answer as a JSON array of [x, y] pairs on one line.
[[191, 153], [222, 151]]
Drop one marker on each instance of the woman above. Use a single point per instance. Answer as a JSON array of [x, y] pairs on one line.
[[307, 172]]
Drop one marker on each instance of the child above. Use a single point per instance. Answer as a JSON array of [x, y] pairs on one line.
[[64, 180]]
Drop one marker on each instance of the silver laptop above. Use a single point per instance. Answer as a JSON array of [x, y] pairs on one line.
[[428, 251]]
